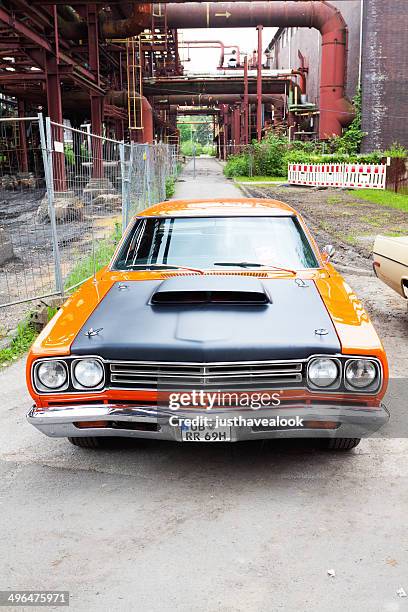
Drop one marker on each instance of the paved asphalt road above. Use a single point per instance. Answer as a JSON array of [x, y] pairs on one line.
[[146, 526]]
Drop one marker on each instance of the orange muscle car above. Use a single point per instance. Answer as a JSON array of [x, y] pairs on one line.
[[214, 321]]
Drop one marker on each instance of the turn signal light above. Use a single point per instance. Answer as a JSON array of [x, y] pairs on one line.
[[90, 424], [321, 424]]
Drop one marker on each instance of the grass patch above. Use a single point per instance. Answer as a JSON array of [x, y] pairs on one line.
[[391, 199], [334, 200], [260, 179], [350, 239], [395, 233], [104, 250], [374, 221], [20, 344]]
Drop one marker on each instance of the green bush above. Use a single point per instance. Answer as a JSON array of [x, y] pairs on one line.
[[21, 342], [209, 150], [69, 154], [187, 148], [396, 150], [170, 187], [237, 165]]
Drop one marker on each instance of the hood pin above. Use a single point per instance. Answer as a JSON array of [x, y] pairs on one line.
[[122, 287], [321, 332], [93, 332]]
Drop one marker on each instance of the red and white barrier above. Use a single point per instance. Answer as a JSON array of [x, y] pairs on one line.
[[357, 176]]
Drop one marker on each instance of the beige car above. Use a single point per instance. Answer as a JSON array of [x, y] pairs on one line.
[[391, 262]]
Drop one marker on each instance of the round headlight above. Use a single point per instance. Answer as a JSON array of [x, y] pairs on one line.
[[323, 372], [52, 374], [88, 373], [361, 373]]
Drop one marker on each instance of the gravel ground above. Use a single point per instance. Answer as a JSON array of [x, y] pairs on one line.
[[340, 218], [327, 213]]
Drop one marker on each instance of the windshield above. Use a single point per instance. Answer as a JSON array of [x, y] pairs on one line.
[[216, 242]]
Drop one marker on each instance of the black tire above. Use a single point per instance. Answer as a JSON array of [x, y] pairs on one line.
[[89, 442], [341, 444]]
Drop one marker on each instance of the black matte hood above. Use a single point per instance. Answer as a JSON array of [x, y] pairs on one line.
[[134, 325]]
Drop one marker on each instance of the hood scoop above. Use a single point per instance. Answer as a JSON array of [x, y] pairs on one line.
[[211, 290]]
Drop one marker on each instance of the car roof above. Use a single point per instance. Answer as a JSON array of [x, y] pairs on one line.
[[219, 207]]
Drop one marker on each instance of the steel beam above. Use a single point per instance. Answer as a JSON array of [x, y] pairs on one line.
[[54, 105], [23, 155], [97, 102], [24, 30]]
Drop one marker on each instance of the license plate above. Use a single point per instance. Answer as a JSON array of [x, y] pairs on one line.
[[201, 433]]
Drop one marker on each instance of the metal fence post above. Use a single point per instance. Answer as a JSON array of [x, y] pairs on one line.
[[125, 183], [148, 179], [46, 148], [164, 170]]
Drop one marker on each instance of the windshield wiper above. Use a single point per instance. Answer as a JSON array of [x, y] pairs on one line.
[[250, 264], [157, 266]]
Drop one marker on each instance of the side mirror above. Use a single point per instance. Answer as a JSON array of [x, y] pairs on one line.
[[328, 252]]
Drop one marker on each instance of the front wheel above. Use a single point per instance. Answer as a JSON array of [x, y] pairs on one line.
[[341, 444], [88, 442]]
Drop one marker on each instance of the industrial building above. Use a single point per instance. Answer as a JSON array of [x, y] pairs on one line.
[[377, 39], [118, 67]]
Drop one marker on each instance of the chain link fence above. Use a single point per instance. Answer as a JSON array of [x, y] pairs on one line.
[[65, 197], [26, 252]]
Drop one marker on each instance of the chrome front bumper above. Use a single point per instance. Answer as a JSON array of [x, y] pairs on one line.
[[154, 421]]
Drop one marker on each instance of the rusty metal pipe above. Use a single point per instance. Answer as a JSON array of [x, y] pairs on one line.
[[139, 19], [205, 44], [211, 44], [213, 100], [335, 110], [76, 28], [259, 86], [246, 102]]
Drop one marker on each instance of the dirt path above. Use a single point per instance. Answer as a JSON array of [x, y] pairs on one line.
[[205, 181]]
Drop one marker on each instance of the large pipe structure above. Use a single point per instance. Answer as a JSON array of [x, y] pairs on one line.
[[335, 110], [212, 100], [73, 27], [211, 44]]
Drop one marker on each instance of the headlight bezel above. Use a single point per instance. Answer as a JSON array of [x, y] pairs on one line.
[[343, 386], [69, 387], [40, 386], [77, 385], [335, 384], [372, 387]]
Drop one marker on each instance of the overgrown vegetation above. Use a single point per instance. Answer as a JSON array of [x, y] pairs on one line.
[[187, 149], [22, 341], [170, 187], [271, 156], [104, 250]]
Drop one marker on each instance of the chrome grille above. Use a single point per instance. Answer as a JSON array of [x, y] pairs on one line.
[[232, 375]]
